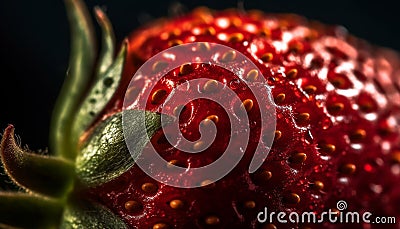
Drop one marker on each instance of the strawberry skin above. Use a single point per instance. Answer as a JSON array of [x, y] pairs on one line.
[[337, 137]]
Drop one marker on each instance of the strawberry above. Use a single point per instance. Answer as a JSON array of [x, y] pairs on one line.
[[335, 98]]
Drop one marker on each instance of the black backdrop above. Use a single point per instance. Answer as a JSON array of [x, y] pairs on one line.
[[34, 44]]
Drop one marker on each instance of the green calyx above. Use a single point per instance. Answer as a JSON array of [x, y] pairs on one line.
[[105, 156], [85, 214], [50, 176], [50, 185], [26, 210]]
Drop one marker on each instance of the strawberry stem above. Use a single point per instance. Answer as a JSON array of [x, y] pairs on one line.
[[82, 57]]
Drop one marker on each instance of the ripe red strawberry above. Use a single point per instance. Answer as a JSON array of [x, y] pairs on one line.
[[337, 106]]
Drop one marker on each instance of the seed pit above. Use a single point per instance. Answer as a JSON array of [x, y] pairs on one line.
[[358, 135], [296, 47], [326, 148], [278, 135], [175, 162], [236, 37], [158, 96], [265, 32], [267, 57], [149, 187], [204, 46], [228, 56], [292, 73], [250, 204], [160, 226], [291, 198], [133, 206], [335, 108], [339, 81], [247, 105], [212, 220], [176, 204], [207, 184], [174, 43], [302, 118], [262, 177], [310, 89], [317, 185], [297, 158], [347, 169], [396, 157], [269, 226], [316, 63], [211, 118], [210, 86], [252, 75], [366, 103], [186, 69], [280, 98], [209, 31]]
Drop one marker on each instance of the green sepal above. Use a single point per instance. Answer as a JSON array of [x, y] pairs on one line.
[[82, 57], [23, 210], [106, 56], [37, 173], [105, 156], [100, 94], [88, 215]]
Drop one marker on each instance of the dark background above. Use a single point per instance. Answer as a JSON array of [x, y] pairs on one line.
[[34, 45]]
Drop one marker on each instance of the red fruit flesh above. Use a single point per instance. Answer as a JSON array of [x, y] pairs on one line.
[[337, 136]]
